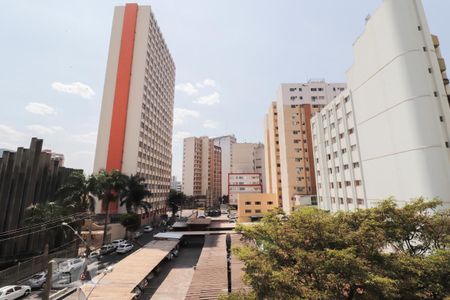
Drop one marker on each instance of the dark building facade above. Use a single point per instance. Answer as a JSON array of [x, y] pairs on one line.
[[27, 177]]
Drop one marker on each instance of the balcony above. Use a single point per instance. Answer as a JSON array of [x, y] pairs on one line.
[[435, 40], [442, 65]]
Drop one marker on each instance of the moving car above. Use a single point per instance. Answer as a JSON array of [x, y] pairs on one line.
[[37, 281], [106, 249], [148, 229], [70, 265], [116, 243], [11, 292], [124, 248]]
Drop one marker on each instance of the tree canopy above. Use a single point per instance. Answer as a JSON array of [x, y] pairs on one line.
[[385, 252], [175, 200]]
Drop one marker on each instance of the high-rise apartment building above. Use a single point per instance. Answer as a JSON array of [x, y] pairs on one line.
[[135, 130], [388, 134], [225, 142], [288, 133], [202, 170]]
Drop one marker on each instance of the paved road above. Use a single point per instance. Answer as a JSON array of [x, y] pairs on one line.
[[98, 265]]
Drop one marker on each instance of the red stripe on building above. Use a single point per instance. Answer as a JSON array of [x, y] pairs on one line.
[[121, 94], [312, 175]]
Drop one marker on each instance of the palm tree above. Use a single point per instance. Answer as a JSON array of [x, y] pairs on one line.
[[134, 194], [77, 192], [109, 187]]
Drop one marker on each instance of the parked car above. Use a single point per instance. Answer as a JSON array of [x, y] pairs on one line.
[[124, 248], [148, 229], [137, 234], [11, 292], [116, 243], [37, 281], [175, 252], [71, 264], [106, 249], [94, 254]]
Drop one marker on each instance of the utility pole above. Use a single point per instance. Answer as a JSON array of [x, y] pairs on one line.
[[48, 280], [228, 242]]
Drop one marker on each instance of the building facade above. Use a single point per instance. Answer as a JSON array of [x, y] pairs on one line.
[[225, 143], [252, 207], [289, 132], [202, 170], [135, 130], [388, 134], [28, 176], [241, 183], [175, 184]]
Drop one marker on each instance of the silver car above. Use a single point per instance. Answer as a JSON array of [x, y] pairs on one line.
[[37, 281]]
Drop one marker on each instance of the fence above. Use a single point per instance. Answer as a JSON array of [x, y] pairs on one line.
[[35, 265]]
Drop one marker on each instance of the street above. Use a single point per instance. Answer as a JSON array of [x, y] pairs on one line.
[[97, 265]]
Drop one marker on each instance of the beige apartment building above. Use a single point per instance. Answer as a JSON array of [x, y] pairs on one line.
[[225, 143], [135, 130], [202, 170], [289, 150]]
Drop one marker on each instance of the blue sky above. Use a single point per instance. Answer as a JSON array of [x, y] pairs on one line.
[[230, 57]]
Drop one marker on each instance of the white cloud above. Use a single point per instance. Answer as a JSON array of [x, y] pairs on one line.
[[205, 83], [9, 146], [181, 135], [212, 99], [40, 109], [180, 114], [10, 133], [210, 124], [187, 88], [43, 130], [76, 88], [87, 138]]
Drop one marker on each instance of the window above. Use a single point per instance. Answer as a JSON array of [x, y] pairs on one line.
[[333, 200], [341, 200], [346, 99], [248, 203], [358, 182], [269, 203], [348, 183], [320, 89], [356, 165], [337, 169], [330, 170], [344, 150], [345, 167], [257, 211], [353, 147], [339, 185], [292, 89], [313, 90], [258, 203], [441, 118], [248, 211], [349, 200], [360, 201]]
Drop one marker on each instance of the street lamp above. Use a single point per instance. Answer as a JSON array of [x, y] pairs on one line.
[[109, 269], [79, 236]]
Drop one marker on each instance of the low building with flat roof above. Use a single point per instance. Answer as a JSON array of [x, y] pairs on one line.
[[253, 206]]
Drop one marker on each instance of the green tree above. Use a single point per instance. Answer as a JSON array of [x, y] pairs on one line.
[[175, 200], [130, 221], [77, 192], [108, 188], [380, 253], [134, 194]]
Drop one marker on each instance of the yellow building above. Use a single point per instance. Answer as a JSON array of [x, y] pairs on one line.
[[253, 206]]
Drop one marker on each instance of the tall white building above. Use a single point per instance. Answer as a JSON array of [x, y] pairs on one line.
[[388, 134], [225, 143], [135, 130]]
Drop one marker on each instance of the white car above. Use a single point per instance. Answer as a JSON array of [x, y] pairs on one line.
[[124, 248], [148, 229], [137, 234], [94, 254], [37, 281], [11, 292], [70, 265], [117, 243]]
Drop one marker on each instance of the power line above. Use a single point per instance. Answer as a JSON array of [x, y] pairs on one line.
[[13, 231], [36, 231]]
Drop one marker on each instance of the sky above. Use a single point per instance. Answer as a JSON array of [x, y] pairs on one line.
[[230, 57]]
